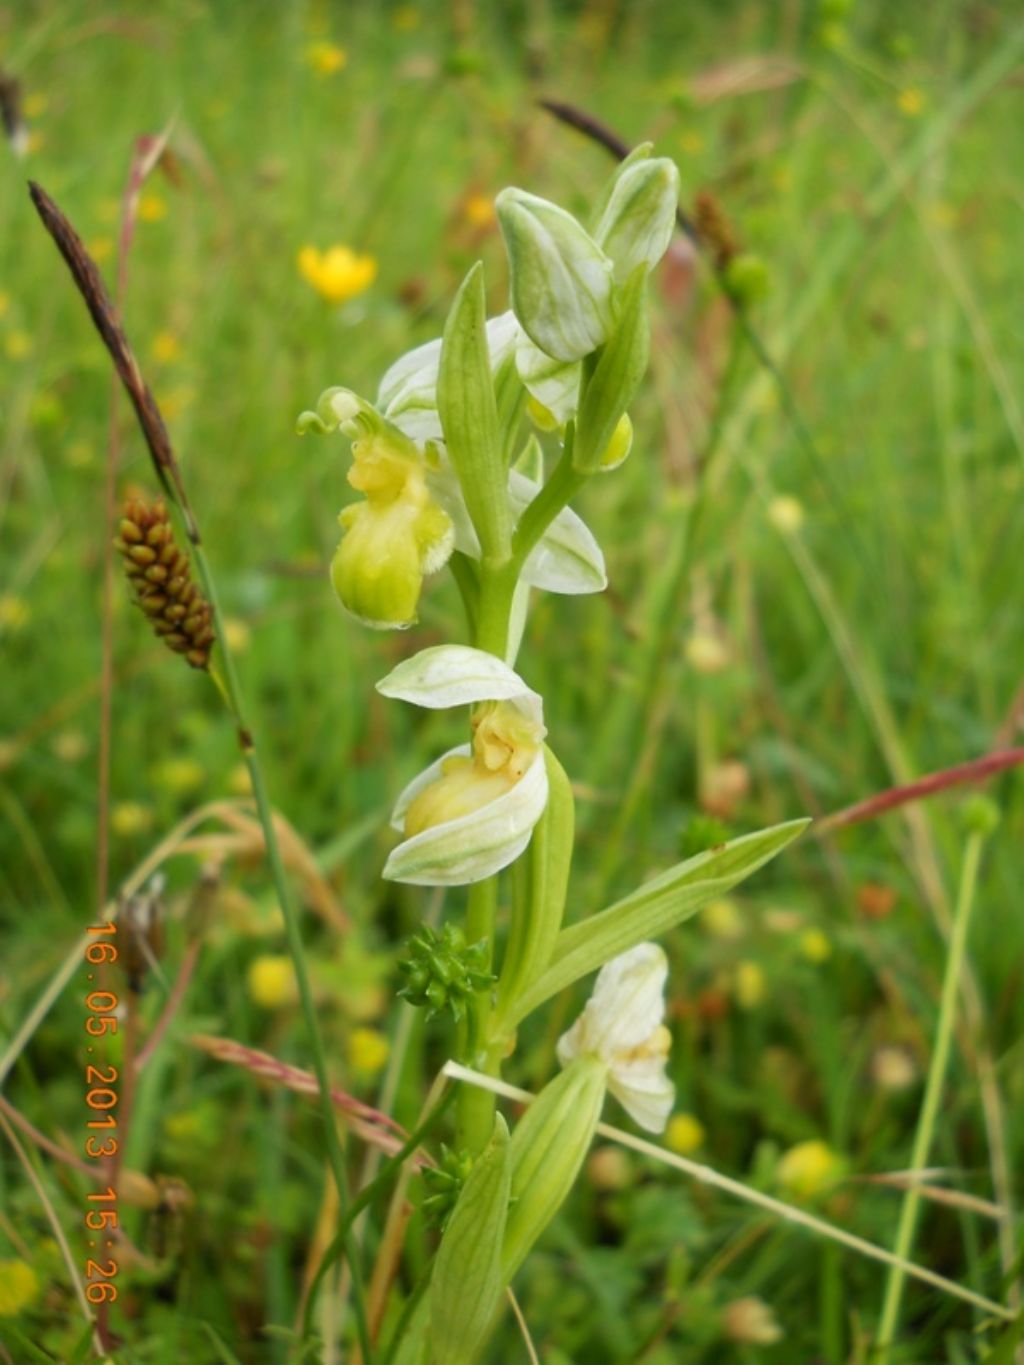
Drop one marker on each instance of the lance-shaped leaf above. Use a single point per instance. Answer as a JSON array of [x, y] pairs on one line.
[[639, 218], [547, 1150], [653, 910], [561, 279], [468, 1279], [469, 417], [616, 376]]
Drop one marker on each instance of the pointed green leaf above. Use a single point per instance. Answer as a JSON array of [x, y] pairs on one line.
[[469, 417], [653, 909]]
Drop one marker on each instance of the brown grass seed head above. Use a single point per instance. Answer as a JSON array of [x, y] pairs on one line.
[[161, 580]]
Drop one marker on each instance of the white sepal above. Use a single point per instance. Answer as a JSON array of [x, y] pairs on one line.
[[458, 675], [621, 1024], [476, 845], [554, 383], [567, 559], [408, 392]]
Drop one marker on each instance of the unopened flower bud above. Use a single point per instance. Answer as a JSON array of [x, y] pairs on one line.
[[747, 278], [640, 214], [561, 280], [750, 1322]]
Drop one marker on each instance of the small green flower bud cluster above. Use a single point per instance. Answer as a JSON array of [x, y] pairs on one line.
[[443, 1184], [442, 971]]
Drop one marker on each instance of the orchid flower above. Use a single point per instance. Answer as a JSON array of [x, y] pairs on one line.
[[470, 813], [622, 1026]]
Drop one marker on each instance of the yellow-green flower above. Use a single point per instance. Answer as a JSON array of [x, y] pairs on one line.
[[19, 1287], [749, 985], [911, 101], [326, 58], [809, 1169], [152, 207], [815, 945], [129, 818], [15, 612], [166, 348], [17, 345], [271, 981], [337, 274], [368, 1050], [684, 1134]]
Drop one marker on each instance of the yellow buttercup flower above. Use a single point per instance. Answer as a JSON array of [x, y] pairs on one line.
[[911, 101], [19, 1286], [129, 818], [815, 945], [809, 1169], [237, 634], [749, 986], [326, 58], [271, 981], [368, 1050], [684, 1134], [152, 207], [15, 612], [337, 274], [479, 210], [18, 345], [166, 348]]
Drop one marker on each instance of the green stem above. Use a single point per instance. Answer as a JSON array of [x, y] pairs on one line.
[[932, 1095], [497, 587], [230, 689]]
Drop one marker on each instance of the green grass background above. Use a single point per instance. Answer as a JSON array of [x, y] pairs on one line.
[[878, 176]]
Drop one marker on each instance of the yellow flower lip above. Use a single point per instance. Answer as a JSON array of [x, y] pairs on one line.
[[505, 745], [338, 273]]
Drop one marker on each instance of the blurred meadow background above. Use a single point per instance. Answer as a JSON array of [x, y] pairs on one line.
[[815, 595]]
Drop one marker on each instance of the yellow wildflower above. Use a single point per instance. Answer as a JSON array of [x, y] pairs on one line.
[[18, 345], [19, 1286], [691, 143], [786, 514], [271, 981], [129, 818], [684, 1134], [15, 612], [69, 746], [707, 652], [178, 775], [326, 58], [239, 781], [337, 274], [722, 919], [750, 987], [166, 348], [815, 945], [237, 635], [809, 1169], [368, 1050], [911, 101], [152, 207], [479, 210], [35, 104]]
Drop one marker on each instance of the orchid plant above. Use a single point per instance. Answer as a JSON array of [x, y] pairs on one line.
[[450, 464]]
